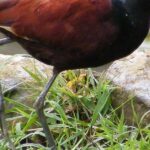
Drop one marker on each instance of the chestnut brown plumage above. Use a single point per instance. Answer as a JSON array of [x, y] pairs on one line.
[[70, 34]]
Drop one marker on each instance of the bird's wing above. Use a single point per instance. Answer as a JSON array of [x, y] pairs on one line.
[[64, 24]]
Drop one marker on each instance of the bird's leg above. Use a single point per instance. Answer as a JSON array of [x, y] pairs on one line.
[[39, 105], [5, 40], [3, 122]]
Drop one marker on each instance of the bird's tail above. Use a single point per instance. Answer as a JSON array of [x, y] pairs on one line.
[[7, 12]]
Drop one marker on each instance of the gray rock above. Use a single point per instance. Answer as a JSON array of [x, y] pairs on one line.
[[132, 77], [14, 77]]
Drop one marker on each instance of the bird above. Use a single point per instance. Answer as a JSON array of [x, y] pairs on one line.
[[73, 34]]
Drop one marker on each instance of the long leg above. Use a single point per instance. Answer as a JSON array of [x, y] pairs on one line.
[[39, 105], [3, 122]]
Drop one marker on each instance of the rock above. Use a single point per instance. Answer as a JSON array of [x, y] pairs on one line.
[[132, 77], [14, 77]]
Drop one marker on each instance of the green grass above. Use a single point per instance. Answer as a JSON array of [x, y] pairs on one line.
[[79, 114]]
